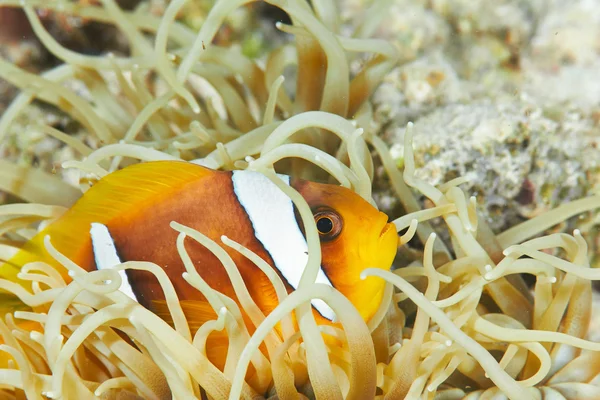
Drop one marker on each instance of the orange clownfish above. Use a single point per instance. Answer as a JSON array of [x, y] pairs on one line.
[[126, 216]]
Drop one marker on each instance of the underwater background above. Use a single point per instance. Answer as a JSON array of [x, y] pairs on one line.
[[505, 101]]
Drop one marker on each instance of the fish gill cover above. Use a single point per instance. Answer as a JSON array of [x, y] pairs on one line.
[[458, 322]]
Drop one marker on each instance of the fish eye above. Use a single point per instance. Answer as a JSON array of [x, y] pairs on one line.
[[324, 225], [329, 224]]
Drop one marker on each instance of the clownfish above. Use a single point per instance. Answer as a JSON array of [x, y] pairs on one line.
[[126, 216]]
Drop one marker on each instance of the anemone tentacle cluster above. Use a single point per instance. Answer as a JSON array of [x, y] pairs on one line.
[[458, 323]]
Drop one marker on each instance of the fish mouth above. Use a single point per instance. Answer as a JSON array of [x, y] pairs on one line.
[[386, 225], [385, 229]]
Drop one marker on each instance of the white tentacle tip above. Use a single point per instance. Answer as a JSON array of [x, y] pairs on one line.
[[35, 335]]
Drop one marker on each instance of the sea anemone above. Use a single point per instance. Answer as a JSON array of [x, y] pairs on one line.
[[458, 323]]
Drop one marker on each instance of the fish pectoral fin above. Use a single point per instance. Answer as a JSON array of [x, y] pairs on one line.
[[216, 345], [197, 313]]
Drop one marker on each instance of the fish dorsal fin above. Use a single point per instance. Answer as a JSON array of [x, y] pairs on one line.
[[115, 194]]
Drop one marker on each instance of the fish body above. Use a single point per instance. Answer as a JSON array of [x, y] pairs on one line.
[[126, 216]]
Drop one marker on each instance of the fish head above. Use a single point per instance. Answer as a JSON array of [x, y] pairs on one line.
[[354, 236]]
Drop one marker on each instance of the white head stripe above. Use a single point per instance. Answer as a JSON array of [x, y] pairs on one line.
[[105, 254], [272, 215]]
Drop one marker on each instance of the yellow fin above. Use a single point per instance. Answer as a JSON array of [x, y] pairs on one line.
[[217, 343], [115, 194], [196, 314]]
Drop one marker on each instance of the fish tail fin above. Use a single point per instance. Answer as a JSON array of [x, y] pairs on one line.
[[31, 251], [9, 271], [34, 250], [9, 302]]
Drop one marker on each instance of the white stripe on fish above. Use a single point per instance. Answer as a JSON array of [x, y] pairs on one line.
[[106, 255], [271, 213]]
